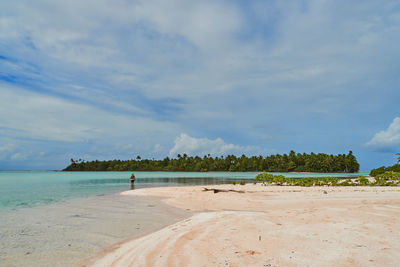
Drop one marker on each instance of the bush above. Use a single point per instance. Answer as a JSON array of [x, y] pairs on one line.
[[383, 169], [389, 175], [385, 179], [377, 171], [363, 180], [380, 182], [345, 183], [280, 180]]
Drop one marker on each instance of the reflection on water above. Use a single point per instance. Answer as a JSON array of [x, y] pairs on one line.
[[99, 181], [151, 182], [121, 184], [26, 189]]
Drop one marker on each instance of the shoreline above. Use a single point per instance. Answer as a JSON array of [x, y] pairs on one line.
[[352, 173], [339, 225], [61, 234]]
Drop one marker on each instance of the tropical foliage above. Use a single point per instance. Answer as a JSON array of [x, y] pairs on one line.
[[291, 162], [383, 169], [389, 175], [386, 179]]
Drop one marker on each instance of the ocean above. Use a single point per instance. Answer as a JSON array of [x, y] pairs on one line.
[[25, 189]]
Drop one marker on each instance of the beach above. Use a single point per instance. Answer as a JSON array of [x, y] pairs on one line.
[[61, 234], [256, 225]]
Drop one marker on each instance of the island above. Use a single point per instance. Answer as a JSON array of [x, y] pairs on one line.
[[292, 162]]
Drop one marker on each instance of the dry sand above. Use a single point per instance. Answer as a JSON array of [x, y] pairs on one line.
[[269, 226]]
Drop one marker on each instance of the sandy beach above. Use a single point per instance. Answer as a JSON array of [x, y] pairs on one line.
[[64, 233], [268, 226]]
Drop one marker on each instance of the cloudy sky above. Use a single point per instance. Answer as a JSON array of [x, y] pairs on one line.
[[116, 79]]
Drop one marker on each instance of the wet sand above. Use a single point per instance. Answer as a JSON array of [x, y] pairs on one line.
[[268, 226], [64, 233]]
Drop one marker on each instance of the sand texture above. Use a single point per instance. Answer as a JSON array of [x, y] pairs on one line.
[[268, 226], [62, 234]]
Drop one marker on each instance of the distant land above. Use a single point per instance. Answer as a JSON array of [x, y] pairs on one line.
[[292, 162]]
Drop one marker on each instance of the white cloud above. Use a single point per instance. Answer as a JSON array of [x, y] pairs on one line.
[[203, 146], [157, 148], [5, 150], [38, 116], [387, 140], [20, 156], [206, 23], [308, 42], [226, 65]]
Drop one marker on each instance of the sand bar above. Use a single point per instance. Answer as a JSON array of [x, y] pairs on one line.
[[268, 226], [62, 234]]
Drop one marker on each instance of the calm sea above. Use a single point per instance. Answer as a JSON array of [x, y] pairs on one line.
[[24, 189]]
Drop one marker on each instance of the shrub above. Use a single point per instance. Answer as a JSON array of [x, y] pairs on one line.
[[385, 179], [383, 169], [363, 180], [380, 182], [389, 175], [377, 171]]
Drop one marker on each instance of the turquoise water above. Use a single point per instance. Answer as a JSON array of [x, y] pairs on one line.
[[24, 189]]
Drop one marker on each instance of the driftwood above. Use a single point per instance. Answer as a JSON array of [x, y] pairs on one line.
[[221, 190]]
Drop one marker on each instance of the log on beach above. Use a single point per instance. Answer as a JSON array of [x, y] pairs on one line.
[[222, 190]]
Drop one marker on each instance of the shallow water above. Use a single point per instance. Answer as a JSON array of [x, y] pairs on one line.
[[25, 189], [63, 233]]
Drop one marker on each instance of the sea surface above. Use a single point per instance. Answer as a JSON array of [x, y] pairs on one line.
[[26, 189]]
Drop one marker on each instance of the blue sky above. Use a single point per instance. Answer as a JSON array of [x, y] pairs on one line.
[[116, 79]]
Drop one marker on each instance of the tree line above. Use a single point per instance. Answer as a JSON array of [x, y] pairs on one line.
[[292, 162], [383, 169]]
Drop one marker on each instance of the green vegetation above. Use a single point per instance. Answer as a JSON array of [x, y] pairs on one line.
[[383, 169], [268, 178], [240, 182], [363, 180], [292, 162], [386, 179], [389, 175]]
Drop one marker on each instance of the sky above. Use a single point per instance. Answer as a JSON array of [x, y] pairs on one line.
[[116, 79]]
